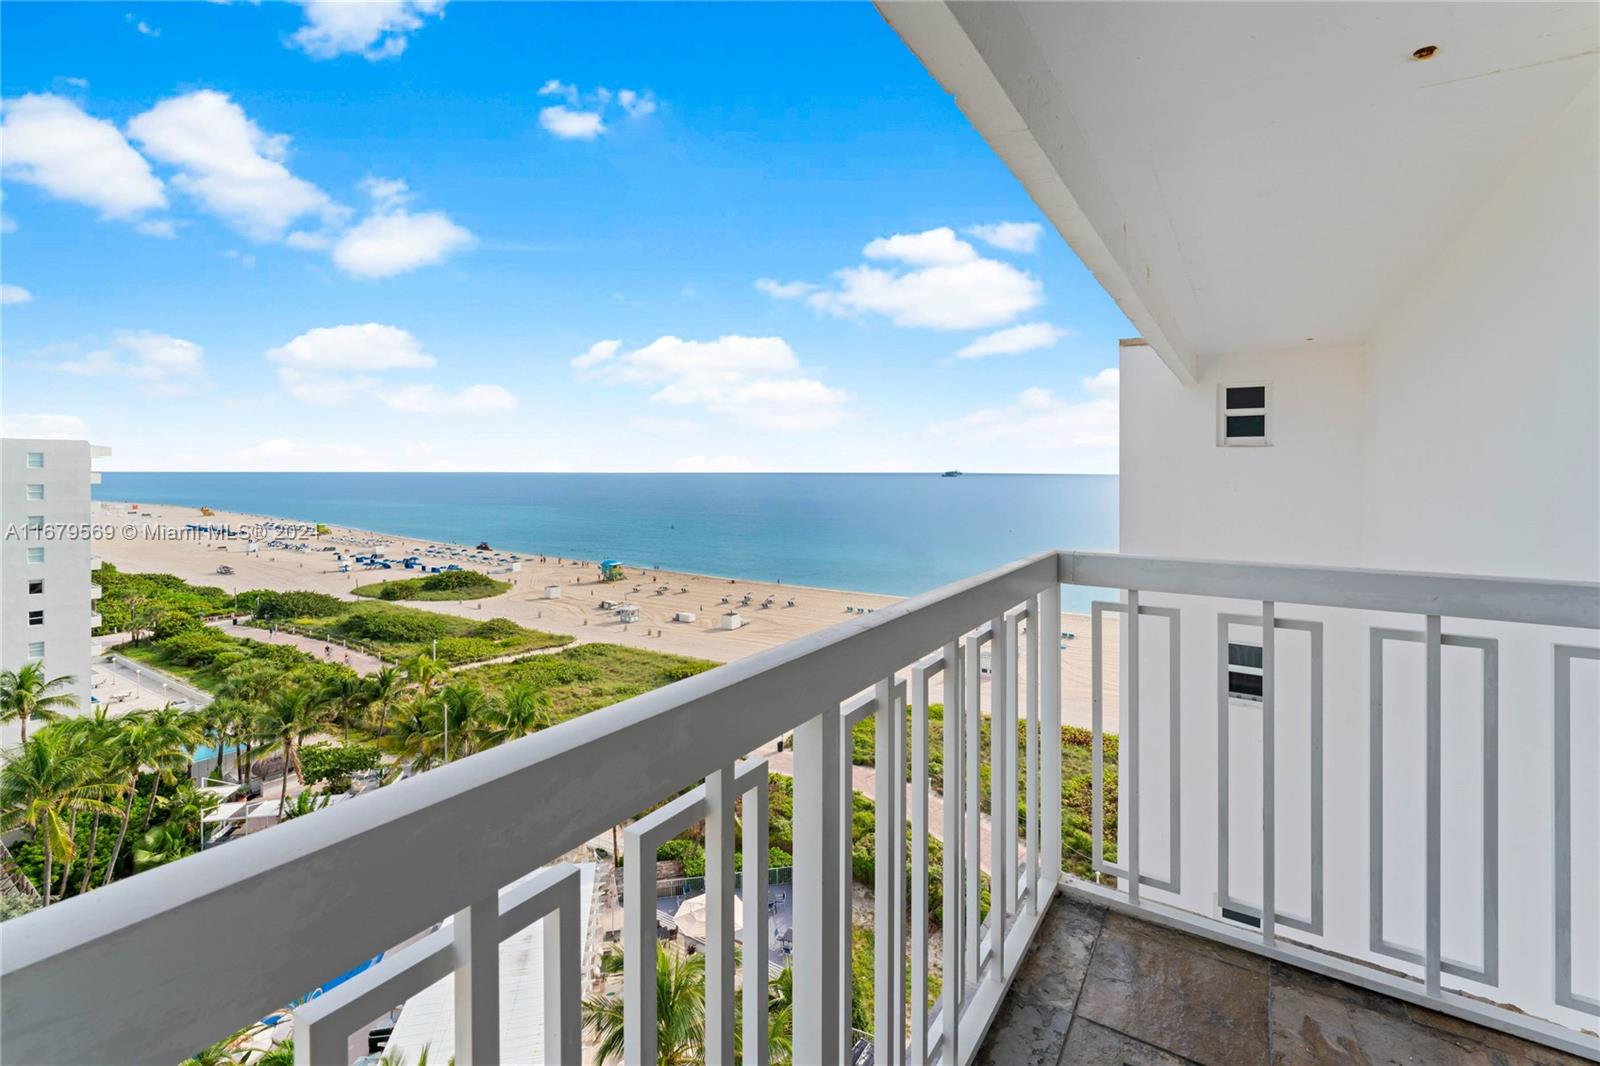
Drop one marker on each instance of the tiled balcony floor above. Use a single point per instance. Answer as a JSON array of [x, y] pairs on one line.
[[1098, 987]]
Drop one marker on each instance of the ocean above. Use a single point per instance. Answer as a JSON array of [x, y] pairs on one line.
[[897, 534]]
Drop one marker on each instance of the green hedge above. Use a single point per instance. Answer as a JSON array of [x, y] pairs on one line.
[[446, 585]]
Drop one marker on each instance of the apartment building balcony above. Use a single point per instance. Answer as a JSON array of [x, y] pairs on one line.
[[1366, 898], [95, 592]]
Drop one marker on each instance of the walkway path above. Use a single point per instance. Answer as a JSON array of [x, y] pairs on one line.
[[359, 661]]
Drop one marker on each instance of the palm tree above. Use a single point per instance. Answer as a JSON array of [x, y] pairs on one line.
[[127, 749], [423, 671], [26, 693], [280, 725], [680, 1013], [187, 807], [174, 734], [306, 803], [216, 720], [345, 691], [465, 708], [518, 711], [40, 783], [161, 845], [383, 689], [88, 738], [418, 732]]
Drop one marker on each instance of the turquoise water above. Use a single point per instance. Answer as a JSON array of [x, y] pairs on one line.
[[891, 533]]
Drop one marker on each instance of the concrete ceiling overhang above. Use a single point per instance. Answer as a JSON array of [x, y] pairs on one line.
[[1256, 176]]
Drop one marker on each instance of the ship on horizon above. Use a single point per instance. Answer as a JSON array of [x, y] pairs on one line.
[[951, 473]]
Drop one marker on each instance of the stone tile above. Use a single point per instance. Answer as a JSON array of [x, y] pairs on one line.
[[1515, 1049], [1024, 1033], [1316, 1020], [1053, 969], [1089, 1044], [1199, 1000]]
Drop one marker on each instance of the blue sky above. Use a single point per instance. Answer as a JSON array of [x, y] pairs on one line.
[[500, 236]]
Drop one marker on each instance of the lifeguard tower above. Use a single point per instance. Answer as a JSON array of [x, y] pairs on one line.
[[611, 570]]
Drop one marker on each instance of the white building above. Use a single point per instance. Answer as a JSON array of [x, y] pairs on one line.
[[47, 560], [1361, 245]]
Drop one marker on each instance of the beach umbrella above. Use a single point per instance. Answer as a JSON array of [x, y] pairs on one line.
[[691, 917]]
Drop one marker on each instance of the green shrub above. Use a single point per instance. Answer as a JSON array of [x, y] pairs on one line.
[[198, 647], [392, 625], [171, 623], [269, 605], [335, 764]]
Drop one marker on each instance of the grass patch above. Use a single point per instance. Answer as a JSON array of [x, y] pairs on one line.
[[448, 585], [207, 658], [588, 677], [144, 601], [398, 633]]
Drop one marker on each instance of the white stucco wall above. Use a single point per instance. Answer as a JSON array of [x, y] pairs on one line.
[[1463, 436]]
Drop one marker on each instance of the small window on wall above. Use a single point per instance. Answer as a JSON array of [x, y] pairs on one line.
[[35, 555], [36, 587], [1242, 414], [35, 492], [1244, 672], [36, 460], [36, 618], [36, 649]]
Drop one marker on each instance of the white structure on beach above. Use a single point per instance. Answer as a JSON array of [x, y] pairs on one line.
[[47, 589], [1360, 481]]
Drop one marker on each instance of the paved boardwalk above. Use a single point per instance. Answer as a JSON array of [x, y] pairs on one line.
[[359, 661]]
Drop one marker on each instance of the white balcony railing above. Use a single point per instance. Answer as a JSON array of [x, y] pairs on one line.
[[152, 968]]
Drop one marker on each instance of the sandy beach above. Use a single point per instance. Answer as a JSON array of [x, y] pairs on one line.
[[659, 595]]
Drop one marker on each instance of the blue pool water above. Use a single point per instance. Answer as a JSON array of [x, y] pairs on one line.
[[891, 533]]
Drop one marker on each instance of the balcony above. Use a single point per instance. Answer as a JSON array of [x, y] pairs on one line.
[[1358, 896]]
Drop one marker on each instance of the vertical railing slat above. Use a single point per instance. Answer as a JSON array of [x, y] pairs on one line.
[[1269, 774], [639, 951], [477, 982], [954, 850], [918, 932], [719, 847], [1130, 746], [563, 975], [1050, 727], [1031, 849], [1001, 827], [820, 1028], [757, 1037], [1005, 823], [884, 785], [1431, 950], [972, 675]]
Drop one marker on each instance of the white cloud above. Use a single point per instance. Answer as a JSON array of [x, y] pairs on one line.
[[599, 352], [1009, 236], [472, 400], [47, 427], [393, 242], [753, 380], [785, 290], [1027, 337], [570, 125], [162, 364], [333, 364], [7, 224], [934, 247], [941, 283], [14, 294], [229, 164], [387, 193], [582, 116], [142, 26], [636, 104], [375, 29], [1045, 421], [52, 143]]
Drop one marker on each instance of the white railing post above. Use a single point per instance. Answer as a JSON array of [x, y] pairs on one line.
[[955, 850], [972, 677], [820, 1024], [719, 845], [1002, 826], [1009, 720], [918, 931], [477, 980], [883, 897], [1130, 746], [1269, 774], [757, 1036], [1431, 950], [639, 950], [1050, 726], [1031, 849], [563, 977]]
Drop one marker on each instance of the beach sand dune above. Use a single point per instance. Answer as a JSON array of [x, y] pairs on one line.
[[658, 595]]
